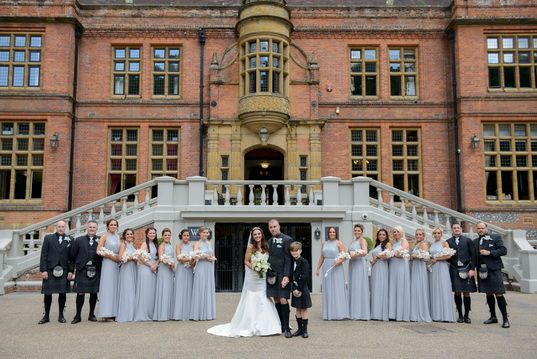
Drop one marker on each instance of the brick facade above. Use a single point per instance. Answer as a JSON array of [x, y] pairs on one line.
[[318, 99]]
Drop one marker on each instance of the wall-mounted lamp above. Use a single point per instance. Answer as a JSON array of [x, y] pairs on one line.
[[54, 140], [317, 233], [337, 110], [264, 135], [264, 165], [475, 141]]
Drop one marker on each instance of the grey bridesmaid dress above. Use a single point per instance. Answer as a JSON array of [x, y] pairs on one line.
[[127, 289], [164, 289], [109, 281], [358, 286], [146, 283], [183, 288], [203, 305], [419, 290], [399, 292], [442, 308], [335, 298], [379, 287]]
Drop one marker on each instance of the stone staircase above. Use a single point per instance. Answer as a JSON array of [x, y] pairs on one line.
[[168, 202]]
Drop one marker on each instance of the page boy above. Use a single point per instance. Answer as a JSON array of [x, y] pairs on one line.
[[301, 299]]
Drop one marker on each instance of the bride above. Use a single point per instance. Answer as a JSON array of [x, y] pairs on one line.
[[255, 314]]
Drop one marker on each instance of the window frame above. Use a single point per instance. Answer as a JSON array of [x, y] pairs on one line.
[[27, 65], [402, 61], [164, 156], [124, 171], [246, 54], [512, 154], [405, 157], [364, 73], [501, 65], [126, 72], [30, 167], [166, 73], [359, 160]]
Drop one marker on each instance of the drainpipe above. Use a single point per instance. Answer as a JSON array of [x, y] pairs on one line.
[[78, 34], [458, 186], [201, 40]]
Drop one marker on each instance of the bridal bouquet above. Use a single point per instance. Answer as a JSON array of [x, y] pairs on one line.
[[445, 252], [260, 263], [402, 253], [166, 259], [197, 255], [103, 252], [342, 256], [184, 257], [421, 254]]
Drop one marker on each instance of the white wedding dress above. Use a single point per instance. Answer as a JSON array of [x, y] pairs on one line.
[[255, 314]]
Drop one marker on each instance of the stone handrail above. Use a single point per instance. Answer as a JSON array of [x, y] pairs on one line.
[[132, 200]]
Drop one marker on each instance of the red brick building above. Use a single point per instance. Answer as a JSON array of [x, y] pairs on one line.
[[434, 97]]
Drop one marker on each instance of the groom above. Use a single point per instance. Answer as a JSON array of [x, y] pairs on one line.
[[278, 286]]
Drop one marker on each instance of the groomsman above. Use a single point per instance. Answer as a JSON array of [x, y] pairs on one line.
[[56, 270], [461, 271], [278, 277], [490, 249], [88, 270]]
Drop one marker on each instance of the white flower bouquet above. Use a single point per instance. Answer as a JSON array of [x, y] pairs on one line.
[[103, 252], [166, 259], [421, 255], [185, 259], [385, 254], [445, 252], [360, 252], [196, 255], [128, 257], [260, 263], [343, 256], [142, 255], [401, 253]]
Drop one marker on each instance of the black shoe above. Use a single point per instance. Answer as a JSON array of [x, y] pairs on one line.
[[76, 320], [44, 320], [92, 318], [61, 319], [467, 320], [491, 320], [297, 333], [460, 320], [305, 334], [288, 334], [506, 324]]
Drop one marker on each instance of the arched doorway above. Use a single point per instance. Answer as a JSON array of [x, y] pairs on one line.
[[264, 164]]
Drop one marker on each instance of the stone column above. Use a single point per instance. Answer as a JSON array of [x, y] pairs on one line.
[[292, 155], [315, 152], [213, 165]]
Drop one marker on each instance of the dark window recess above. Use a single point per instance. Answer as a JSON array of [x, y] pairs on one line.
[[494, 77]]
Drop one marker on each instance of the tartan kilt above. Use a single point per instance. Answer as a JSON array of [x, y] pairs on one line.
[[493, 283], [461, 285], [54, 285], [276, 290], [83, 284]]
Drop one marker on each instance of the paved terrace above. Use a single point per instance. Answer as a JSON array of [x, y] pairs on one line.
[[21, 337]]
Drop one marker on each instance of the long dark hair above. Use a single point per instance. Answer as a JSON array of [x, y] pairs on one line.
[[264, 244], [147, 240], [377, 241]]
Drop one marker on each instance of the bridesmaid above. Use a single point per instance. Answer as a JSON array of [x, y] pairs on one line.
[[442, 309], [380, 277], [183, 278], [146, 280], [108, 287], [335, 300], [399, 292], [203, 305], [419, 284], [164, 288], [127, 278], [358, 277]]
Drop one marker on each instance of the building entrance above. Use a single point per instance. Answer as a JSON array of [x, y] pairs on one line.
[[231, 240], [264, 164]]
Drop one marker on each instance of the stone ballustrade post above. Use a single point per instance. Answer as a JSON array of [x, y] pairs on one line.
[[196, 191], [361, 190], [330, 190]]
